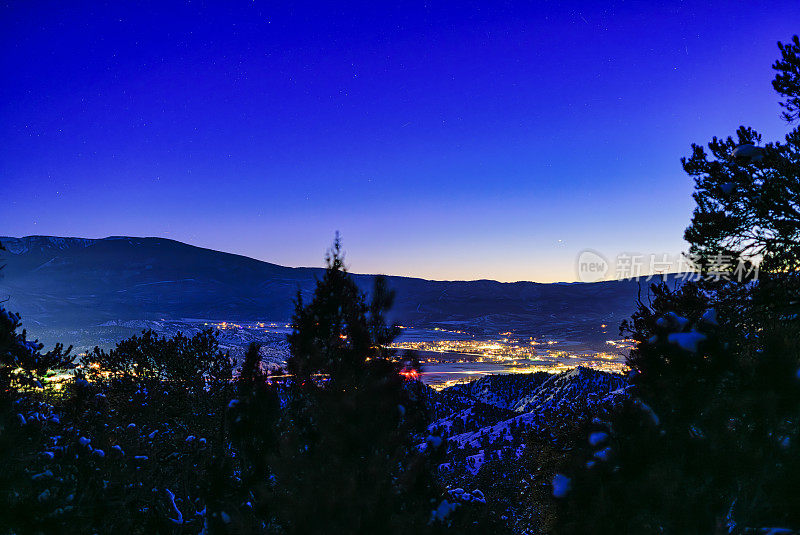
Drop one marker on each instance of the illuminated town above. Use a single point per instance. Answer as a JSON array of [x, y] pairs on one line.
[[451, 356], [448, 362], [448, 356]]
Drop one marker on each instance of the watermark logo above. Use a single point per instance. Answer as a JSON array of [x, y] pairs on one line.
[[592, 266]]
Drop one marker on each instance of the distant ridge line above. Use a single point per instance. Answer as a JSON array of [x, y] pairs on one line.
[[24, 244]]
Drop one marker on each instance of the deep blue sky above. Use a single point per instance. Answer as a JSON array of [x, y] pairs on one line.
[[446, 140]]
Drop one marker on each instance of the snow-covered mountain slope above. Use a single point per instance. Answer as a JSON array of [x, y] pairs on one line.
[[561, 399], [503, 391], [562, 390], [563, 395]]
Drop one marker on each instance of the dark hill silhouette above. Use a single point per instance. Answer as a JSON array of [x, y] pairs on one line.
[[77, 283]]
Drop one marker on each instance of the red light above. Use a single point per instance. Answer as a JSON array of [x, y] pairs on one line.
[[410, 374]]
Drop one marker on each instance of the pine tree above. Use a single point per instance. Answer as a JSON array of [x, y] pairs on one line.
[[340, 456], [709, 440]]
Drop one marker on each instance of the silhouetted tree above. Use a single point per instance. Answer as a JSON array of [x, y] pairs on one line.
[[709, 440], [186, 363], [341, 456]]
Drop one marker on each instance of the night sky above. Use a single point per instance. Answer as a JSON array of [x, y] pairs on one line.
[[444, 140]]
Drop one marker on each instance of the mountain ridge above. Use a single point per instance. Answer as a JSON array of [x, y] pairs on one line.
[[74, 283], [20, 245]]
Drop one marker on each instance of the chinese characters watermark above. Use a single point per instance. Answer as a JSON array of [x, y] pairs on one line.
[[593, 266]]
